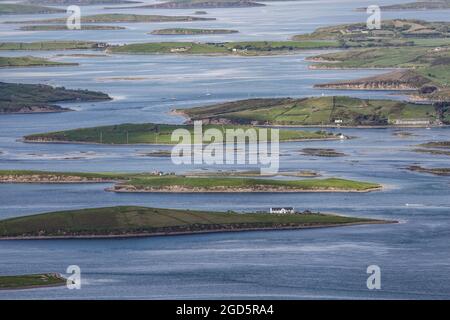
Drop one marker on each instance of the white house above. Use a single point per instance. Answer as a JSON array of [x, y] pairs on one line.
[[284, 210]]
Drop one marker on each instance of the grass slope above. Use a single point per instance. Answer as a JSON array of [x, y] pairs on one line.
[[29, 281], [30, 62], [130, 220]]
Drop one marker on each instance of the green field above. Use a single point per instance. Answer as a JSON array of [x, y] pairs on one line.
[[313, 111], [231, 184], [129, 221], [49, 45], [190, 31], [13, 8], [238, 48], [28, 281], [30, 62], [150, 133]]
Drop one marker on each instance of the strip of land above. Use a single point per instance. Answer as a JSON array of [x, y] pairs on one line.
[[434, 171], [435, 148], [61, 27], [189, 31], [151, 133], [31, 281], [322, 152], [28, 61], [318, 111], [418, 5], [51, 45], [129, 221], [36, 98], [117, 18], [79, 2], [13, 8], [198, 4], [182, 184]]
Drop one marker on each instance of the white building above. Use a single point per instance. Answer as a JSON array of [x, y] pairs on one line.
[[284, 210]]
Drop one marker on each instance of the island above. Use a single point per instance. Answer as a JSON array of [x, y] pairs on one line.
[[13, 8], [37, 98], [197, 4], [434, 171], [28, 61], [418, 5], [397, 32], [334, 111], [117, 18], [435, 148], [322, 152], [242, 48], [132, 221], [61, 27], [47, 177], [189, 31], [182, 184], [31, 281], [79, 2], [159, 134], [51, 45]]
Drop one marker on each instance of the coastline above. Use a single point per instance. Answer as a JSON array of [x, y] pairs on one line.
[[182, 233]]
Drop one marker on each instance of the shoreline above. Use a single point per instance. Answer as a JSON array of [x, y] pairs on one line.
[[182, 233]]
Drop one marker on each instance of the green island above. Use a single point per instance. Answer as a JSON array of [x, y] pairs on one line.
[[31, 281], [190, 31], [131, 221], [418, 5], [79, 2], [183, 184], [434, 171], [118, 18], [197, 4], [29, 61], [60, 27], [245, 48], [322, 152], [318, 111], [36, 98], [13, 8], [51, 45], [151, 133], [397, 32]]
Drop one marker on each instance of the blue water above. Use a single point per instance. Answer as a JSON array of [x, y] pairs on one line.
[[413, 255]]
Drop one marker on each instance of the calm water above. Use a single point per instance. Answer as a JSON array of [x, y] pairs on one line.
[[326, 263]]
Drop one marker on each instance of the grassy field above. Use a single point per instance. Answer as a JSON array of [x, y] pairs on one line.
[[313, 111], [30, 62], [227, 184], [118, 18], [130, 220], [49, 45], [238, 48], [31, 281], [13, 8], [150, 133], [190, 31]]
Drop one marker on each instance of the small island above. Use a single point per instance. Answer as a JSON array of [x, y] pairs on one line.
[[37, 98], [13, 8], [28, 61], [334, 111], [197, 4], [31, 281], [118, 18], [322, 152], [189, 31], [434, 171], [51, 45], [62, 27], [182, 184], [131, 221], [434, 148], [159, 134]]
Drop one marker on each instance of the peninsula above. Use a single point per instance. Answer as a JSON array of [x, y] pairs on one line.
[[35, 98], [198, 4], [151, 133], [418, 5], [79, 2], [189, 31], [130, 221], [317, 111], [13, 8], [31, 281], [61, 27], [51, 45], [6, 62]]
